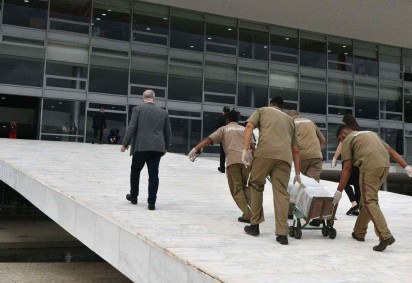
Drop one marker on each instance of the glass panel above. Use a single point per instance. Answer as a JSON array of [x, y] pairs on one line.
[[366, 61], [390, 63], [221, 38], [111, 22], [24, 110], [186, 34], [108, 74], [407, 67], [113, 121], [252, 90], [312, 95], [150, 28], [284, 45], [391, 100], [332, 140], [220, 83], [253, 44], [72, 16], [21, 65], [341, 96], [366, 101], [394, 138], [340, 56], [408, 153], [148, 72], [185, 134], [65, 75], [26, 13], [64, 119], [312, 53], [185, 80], [286, 86], [408, 105], [211, 122]]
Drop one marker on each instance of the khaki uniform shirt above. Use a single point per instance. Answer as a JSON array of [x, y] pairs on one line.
[[308, 136], [366, 149], [231, 137], [276, 133]]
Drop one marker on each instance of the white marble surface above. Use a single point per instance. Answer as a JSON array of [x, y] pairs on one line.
[[193, 235]]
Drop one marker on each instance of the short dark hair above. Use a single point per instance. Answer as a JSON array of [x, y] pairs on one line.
[[277, 101], [226, 109], [350, 121], [233, 115], [341, 129]]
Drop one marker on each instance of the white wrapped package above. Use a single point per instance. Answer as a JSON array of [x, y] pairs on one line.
[[305, 196], [294, 190]]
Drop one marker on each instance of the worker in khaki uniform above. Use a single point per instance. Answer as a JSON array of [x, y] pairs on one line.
[[369, 152], [311, 142], [273, 158], [237, 174]]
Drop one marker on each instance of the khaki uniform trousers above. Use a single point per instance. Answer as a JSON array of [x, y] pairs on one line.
[[237, 176], [311, 168], [370, 182], [279, 172]]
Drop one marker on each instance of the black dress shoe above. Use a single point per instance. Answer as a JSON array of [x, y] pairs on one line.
[[283, 240], [151, 206], [242, 219], [252, 230], [315, 222], [360, 239], [131, 199], [353, 210], [383, 244], [221, 169]]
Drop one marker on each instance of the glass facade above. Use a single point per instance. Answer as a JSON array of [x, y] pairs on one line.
[[105, 54]]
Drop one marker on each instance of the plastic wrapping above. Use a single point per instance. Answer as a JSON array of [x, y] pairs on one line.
[[305, 196], [294, 190]]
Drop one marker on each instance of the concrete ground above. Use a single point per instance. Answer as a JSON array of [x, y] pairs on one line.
[[195, 220]]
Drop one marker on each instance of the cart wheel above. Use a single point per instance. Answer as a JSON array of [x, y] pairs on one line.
[[325, 231], [298, 233], [332, 233], [291, 231]]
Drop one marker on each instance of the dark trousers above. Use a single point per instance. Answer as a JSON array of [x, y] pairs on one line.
[[100, 130], [354, 181], [222, 156], [152, 159]]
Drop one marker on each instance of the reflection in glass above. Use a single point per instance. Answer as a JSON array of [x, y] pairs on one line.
[[220, 83], [340, 56], [394, 138], [221, 38], [253, 44], [72, 16], [66, 75], [185, 80], [211, 122], [148, 72], [21, 65], [185, 134], [253, 88], [340, 97], [108, 74], [113, 121], [407, 67], [391, 103], [390, 63], [312, 53], [63, 120], [312, 95], [366, 101], [284, 45], [332, 140], [111, 22], [408, 105], [286, 86], [150, 28], [186, 34], [31, 13], [366, 61]]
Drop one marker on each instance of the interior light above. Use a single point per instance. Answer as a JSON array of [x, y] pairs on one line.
[[407, 102], [60, 102], [52, 106], [112, 107], [229, 29], [344, 46], [346, 53], [287, 38], [265, 47], [209, 38], [329, 50], [109, 10], [103, 14], [98, 19], [3, 98], [147, 28], [26, 1], [164, 18], [360, 110], [191, 46]]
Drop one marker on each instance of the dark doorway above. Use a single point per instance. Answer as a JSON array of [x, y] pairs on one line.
[[24, 110]]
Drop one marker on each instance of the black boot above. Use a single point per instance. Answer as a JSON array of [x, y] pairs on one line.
[[131, 199], [151, 206], [383, 244], [252, 230], [243, 219], [283, 240]]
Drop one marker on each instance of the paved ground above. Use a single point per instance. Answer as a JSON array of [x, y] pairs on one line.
[[196, 218]]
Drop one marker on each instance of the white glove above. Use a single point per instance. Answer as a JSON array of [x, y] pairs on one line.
[[299, 181], [408, 170], [336, 197], [192, 154], [333, 164], [246, 158]]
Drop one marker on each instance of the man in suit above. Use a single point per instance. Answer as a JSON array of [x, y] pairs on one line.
[[99, 125], [149, 134]]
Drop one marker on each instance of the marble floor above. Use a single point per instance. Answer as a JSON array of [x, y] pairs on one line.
[[195, 220]]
